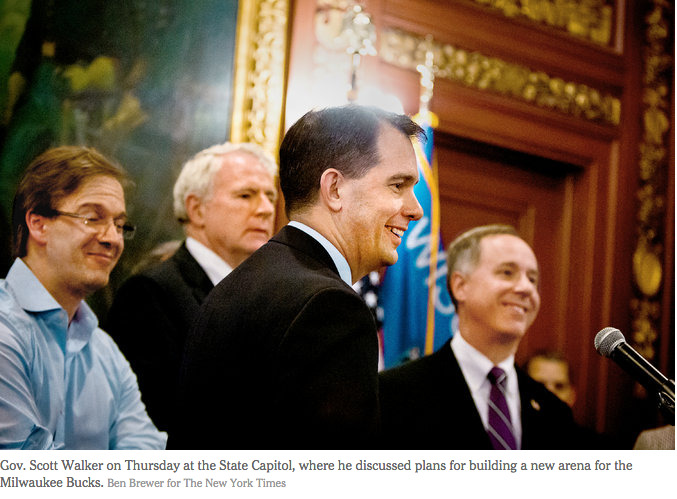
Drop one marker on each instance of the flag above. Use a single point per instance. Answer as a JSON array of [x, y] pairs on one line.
[[417, 308], [368, 289]]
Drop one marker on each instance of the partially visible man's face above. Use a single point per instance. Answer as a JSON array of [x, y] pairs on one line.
[[82, 258], [239, 214], [554, 374], [500, 298], [381, 204]]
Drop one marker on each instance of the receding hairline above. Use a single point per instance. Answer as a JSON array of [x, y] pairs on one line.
[[465, 251], [224, 157], [198, 173], [86, 183], [227, 164]]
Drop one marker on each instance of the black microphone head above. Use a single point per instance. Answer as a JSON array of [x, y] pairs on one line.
[[607, 340]]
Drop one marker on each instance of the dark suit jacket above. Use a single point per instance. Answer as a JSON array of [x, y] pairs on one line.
[[284, 355], [150, 318], [427, 404]]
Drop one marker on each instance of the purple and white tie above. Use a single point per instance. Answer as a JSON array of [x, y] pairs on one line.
[[500, 426]]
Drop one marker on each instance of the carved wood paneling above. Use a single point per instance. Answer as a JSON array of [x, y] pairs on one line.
[[592, 20], [654, 162], [483, 72]]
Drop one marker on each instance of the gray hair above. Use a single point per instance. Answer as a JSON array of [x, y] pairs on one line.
[[463, 254], [197, 174]]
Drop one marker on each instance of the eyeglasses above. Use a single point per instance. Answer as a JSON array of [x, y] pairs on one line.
[[101, 224]]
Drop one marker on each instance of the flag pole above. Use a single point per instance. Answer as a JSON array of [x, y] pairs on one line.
[[428, 120]]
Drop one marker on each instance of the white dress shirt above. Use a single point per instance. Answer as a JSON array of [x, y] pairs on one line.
[[214, 266], [475, 367]]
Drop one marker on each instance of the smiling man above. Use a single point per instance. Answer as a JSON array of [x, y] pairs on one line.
[[63, 382], [469, 394], [284, 353], [225, 199]]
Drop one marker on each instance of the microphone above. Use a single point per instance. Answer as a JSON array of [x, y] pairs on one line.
[[610, 342]]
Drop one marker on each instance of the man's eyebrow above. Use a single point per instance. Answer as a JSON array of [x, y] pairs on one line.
[[404, 178], [512, 264], [249, 188], [99, 208]]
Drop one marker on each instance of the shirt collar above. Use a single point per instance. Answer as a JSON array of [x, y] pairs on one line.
[[214, 266], [33, 297], [29, 292], [336, 256], [475, 365]]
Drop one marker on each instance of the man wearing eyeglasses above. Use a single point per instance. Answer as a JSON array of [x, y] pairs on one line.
[[63, 382]]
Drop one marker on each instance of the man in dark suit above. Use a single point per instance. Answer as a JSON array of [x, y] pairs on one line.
[[552, 369], [284, 353], [225, 198], [457, 396]]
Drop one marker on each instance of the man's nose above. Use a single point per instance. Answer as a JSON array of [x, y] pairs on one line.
[[412, 208], [111, 234], [525, 284], [265, 205]]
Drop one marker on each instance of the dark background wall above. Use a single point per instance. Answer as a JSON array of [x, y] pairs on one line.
[[147, 83]]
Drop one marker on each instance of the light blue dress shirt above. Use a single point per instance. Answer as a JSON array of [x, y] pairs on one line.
[[339, 260], [63, 386]]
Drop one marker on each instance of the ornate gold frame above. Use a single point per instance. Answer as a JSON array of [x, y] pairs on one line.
[[260, 62]]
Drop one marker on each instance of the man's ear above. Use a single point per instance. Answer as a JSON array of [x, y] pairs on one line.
[[37, 227], [457, 284], [195, 210], [331, 184]]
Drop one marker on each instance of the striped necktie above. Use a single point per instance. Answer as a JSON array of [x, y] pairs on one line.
[[500, 426]]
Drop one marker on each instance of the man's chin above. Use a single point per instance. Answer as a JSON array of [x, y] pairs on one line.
[[389, 259], [253, 247], [256, 241], [515, 333], [93, 285]]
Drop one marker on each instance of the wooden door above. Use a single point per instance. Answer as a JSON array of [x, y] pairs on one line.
[[482, 184]]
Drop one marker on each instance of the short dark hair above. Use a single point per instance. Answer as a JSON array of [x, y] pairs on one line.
[[463, 253], [344, 138], [55, 174]]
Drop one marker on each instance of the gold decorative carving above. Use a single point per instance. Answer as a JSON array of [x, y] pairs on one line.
[[482, 72], [260, 59], [588, 19], [648, 271], [646, 314], [653, 167], [329, 23]]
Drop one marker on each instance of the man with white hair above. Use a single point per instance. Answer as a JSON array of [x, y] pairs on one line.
[[225, 198]]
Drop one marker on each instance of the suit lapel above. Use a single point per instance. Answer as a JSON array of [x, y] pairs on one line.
[[465, 421], [532, 411], [299, 240], [192, 273]]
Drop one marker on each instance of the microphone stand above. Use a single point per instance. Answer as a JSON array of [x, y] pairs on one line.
[[666, 402]]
